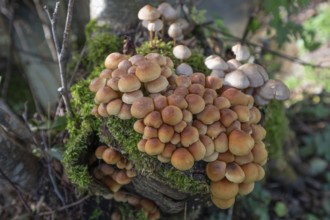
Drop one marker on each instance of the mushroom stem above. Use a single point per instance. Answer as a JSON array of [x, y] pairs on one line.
[[155, 39], [163, 28], [174, 42], [150, 37]]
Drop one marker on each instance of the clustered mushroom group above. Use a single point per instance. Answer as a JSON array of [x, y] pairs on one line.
[[115, 171], [185, 116], [155, 19]]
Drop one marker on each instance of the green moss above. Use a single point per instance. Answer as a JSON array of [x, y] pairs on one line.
[[184, 182], [100, 43], [276, 125], [124, 134], [196, 61]]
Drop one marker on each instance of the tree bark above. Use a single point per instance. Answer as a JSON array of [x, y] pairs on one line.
[[16, 161]]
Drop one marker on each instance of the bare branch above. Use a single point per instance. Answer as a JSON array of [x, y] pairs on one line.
[[62, 52]]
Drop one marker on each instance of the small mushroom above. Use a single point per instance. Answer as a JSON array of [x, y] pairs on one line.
[[274, 89], [175, 32], [184, 69], [181, 52], [236, 79], [255, 73], [241, 52], [215, 62], [182, 159], [224, 189]]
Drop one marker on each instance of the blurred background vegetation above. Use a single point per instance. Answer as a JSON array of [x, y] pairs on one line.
[[291, 39]]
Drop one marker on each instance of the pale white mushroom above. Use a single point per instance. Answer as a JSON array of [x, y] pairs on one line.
[[215, 62], [181, 52], [168, 12], [218, 73], [184, 69], [236, 79], [241, 52], [233, 64], [148, 13], [274, 89], [258, 100], [255, 73], [175, 32]]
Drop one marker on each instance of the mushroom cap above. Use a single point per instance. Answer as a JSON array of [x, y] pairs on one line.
[[213, 130], [234, 173], [106, 73], [129, 83], [223, 203], [111, 156], [154, 146], [184, 69], [99, 151], [183, 81], [213, 82], [168, 150], [259, 153], [114, 106], [175, 30], [156, 57], [214, 62], [96, 84], [125, 112], [157, 85], [124, 65], [153, 119], [221, 143], [113, 59], [258, 100], [160, 102], [183, 24], [149, 13], [181, 52], [189, 135], [112, 184], [223, 189], [240, 142], [258, 132], [155, 25], [243, 112], [139, 126], [212, 157], [209, 115], [198, 150], [233, 64], [147, 71], [236, 79], [255, 73], [136, 58], [226, 157], [142, 106], [177, 100], [236, 97], [113, 83], [121, 177], [198, 78], [201, 127], [227, 117], [195, 102], [208, 143], [168, 12], [102, 110], [130, 97], [105, 94], [245, 188], [182, 159], [241, 52], [216, 170], [218, 73], [251, 171], [197, 89], [274, 89], [171, 115]]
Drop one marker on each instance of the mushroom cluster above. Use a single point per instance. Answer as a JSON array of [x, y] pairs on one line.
[[116, 170], [155, 19], [125, 79], [249, 77], [149, 207], [184, 119]]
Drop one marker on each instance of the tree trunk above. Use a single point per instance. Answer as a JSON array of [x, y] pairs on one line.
[[16, 161]]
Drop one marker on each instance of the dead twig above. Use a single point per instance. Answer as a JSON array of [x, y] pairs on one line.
[[62, 52], [66, 206], [18, 191]]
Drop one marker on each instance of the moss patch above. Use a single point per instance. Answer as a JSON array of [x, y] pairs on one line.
[[277, 127]]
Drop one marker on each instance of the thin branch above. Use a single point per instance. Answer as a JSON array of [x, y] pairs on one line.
[[276, 53], [66, 206], [62, 53], [18, 191]]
